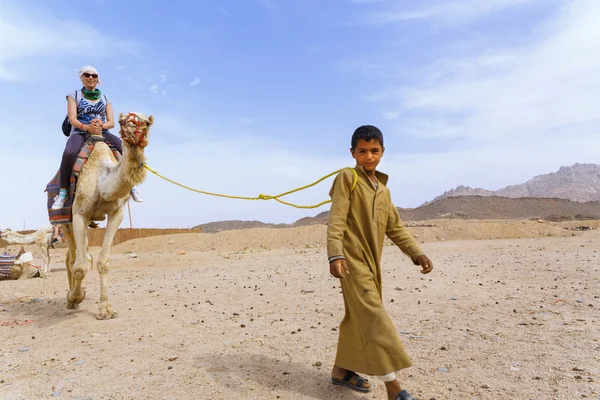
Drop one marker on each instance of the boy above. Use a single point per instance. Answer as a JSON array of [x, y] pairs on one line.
[[358, 222]]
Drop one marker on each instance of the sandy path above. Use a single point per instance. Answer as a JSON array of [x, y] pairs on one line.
[[497, 319]]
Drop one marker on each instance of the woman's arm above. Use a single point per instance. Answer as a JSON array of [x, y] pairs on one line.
[[110, 118], [72, 113]]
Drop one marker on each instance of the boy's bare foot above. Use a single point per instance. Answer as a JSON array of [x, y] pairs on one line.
[[343, 377]]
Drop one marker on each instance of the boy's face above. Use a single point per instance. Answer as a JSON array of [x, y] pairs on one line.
[[368, 154]]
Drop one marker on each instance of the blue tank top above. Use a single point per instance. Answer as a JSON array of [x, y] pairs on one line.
[[87, 110]]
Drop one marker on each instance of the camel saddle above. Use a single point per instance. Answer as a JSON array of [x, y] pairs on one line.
[[64, 215]]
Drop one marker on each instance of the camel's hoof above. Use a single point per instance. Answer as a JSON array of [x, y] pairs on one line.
[[72, 306], [102, 316], [106, 312], [72, 299]]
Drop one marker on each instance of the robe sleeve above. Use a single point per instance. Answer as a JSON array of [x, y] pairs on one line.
[[340, 206], [401, 237]]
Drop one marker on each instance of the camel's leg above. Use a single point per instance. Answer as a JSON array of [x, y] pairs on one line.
[[70, 258], [82, 261], [113, 222], [46, 251]]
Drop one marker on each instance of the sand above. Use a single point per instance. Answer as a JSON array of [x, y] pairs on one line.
[[254, 315]]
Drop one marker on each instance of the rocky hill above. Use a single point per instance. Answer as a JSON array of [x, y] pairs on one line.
[[495, 207], [461, 207], [571, 193], [579, 182]]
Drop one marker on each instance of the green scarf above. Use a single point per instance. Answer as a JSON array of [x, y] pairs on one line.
[[91, 94]]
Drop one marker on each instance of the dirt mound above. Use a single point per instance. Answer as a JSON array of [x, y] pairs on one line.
[[308, 237], [214, 227]]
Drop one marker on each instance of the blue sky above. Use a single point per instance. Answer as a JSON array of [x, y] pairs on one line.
[[260, 96]]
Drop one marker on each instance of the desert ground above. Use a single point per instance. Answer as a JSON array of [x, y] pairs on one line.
[[511, 311]]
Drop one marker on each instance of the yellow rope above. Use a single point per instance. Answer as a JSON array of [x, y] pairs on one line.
[[263, 196]]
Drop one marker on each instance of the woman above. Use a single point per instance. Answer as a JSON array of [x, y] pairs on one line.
[[90, 112]]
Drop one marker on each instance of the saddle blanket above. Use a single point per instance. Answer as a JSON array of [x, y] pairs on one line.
[[6, 263]]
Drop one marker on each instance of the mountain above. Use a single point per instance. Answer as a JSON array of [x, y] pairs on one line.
[[580, 182], [496, 207], [459, 207], [571, 193]]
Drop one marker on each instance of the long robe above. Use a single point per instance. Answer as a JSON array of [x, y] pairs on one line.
[[359, 220]]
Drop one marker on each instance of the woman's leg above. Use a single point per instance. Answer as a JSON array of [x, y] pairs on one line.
[[69, 157], [114, 141]]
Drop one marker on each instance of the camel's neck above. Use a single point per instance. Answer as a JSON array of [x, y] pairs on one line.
[[127, 174], [17, 238]]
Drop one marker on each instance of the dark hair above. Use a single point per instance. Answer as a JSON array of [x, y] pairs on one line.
[[366, 133]]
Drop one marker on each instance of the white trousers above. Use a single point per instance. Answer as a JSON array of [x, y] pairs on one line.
[[388, 377]]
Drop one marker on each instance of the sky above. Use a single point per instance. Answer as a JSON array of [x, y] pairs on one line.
[[262, 96]]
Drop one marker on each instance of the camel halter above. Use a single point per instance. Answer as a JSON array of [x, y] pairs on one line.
[[138, 133]]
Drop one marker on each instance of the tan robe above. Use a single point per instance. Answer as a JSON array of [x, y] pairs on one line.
[[358, 223]]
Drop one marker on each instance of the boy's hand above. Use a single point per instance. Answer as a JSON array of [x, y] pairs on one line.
[[425, 263], [338, 268]]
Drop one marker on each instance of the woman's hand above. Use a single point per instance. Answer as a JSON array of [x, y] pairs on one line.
[[95, 127]]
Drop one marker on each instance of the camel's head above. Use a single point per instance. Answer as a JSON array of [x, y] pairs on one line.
[[134, 128]]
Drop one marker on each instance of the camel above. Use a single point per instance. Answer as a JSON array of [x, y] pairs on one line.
[[19, 267], [102, 190], [42, 238]]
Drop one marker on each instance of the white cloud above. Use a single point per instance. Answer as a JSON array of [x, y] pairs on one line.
[[195, 82], [456, 11], [545, 87], [154, 89], [37, 35], [224, 12], [502, 116]]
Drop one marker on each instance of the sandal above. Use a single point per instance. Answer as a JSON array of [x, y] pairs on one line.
[[404, 395], [360, 381]]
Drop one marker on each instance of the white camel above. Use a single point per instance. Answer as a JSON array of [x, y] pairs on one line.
[[42, 238], [103, 188]]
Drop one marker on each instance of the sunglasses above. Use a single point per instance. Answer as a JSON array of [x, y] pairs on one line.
[[87, 75]]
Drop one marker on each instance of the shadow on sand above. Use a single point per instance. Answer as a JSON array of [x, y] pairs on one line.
[[234, 370], [48, 312]]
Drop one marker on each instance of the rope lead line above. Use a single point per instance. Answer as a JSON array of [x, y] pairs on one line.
[[263, 196]]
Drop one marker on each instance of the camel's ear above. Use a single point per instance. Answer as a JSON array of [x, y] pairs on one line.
[[151, 119], [121, 118]]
